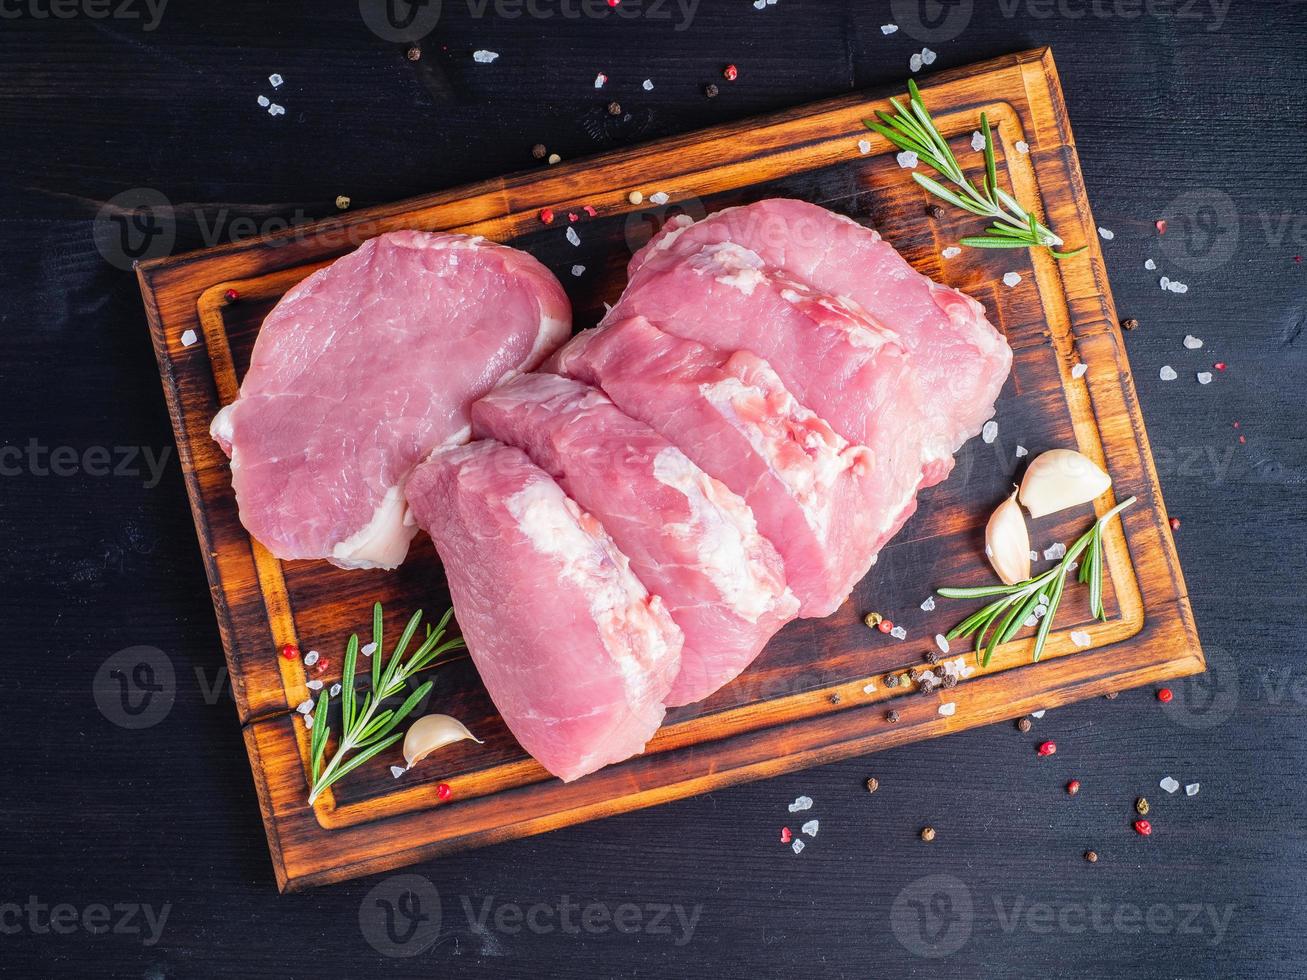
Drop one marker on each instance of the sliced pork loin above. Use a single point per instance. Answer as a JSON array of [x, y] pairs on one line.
[[849, 370], [576, 654], [690, 539], [361, 371], [959, 361], [730, 413]]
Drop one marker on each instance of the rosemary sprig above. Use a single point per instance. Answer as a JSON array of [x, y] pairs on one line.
[[999, 621], [913, 129], [367, 728]]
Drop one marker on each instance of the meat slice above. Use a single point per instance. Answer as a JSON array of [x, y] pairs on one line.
[[690, 540], [959, 360], [850, 371], [361, 371], [730, 413], [576, 654]]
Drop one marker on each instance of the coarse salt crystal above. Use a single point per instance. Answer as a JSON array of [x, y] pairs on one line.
[[801, 803], [899, 633], [1011, 278], [1079, 370], [276, 110], [759, 4], [311, 658], [914, 63], [573, 237], [864, 147], [942, 642], [484, 57], [1204, 377], [1191, 789], [314, 685], [810, 828], [308, 722], [1022, 146], [1150, 265], [1106, 234], [1178, 287], [397, 771], [275, 80], [1034, 556], [600, 79], [929, 604], [888, 28], [1039, 714], [1080, 638], [305, 706], [1030, 620], [1169, 784], [869, 688], [977, 140], [797, 845], [1055, 551], [189, 337], [951, 251], [368, 649], [578, 270], [990, 431], [927, 56], [647, 85], [264, 101], [658, 197], [335, 690], [1191, 342], [948, 708], [1167, 373], [907, 159], [1022, 451]]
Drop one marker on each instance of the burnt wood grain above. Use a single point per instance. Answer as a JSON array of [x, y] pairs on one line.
[[817, 692]]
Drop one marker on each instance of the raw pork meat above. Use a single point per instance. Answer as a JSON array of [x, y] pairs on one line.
[[729, 412], [850, 371], [959, 361], [361, 371], [576, 654], [690, 540]]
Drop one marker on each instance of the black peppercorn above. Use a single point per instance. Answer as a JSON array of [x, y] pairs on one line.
[[936, 212], [414, 53], [1023, 725], [891, 716], [710, 90], [950, 681], [538, 151], [891, 680], [614, 108], [1130, 324], [1091, 856], [873, 784]]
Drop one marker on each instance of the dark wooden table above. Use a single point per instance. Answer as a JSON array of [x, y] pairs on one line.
[[138, 851]]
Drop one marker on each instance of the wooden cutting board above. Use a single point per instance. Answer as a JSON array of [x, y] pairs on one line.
[[817, 692]]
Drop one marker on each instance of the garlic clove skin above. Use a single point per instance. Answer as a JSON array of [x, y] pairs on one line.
[[1061, 478], [1007, 542], [431, 732]]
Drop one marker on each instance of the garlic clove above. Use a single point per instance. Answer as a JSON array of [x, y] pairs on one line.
[[1061, 478], [431, 732], [1007, 542]]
